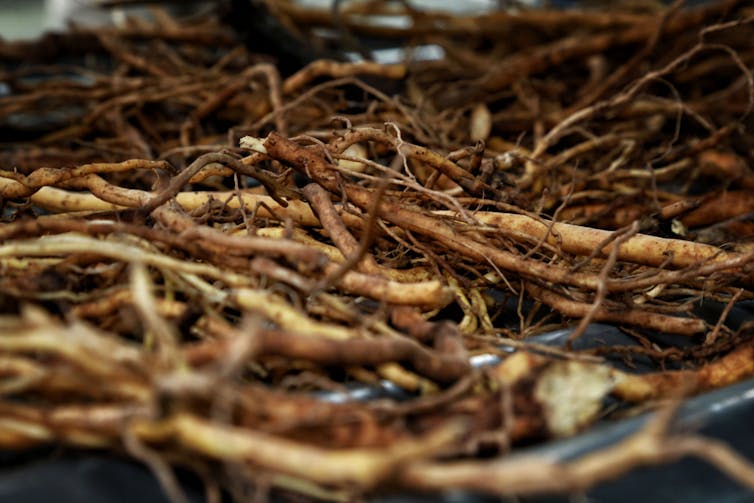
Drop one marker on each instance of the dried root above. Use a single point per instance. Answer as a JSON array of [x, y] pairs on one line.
[[195, 248]]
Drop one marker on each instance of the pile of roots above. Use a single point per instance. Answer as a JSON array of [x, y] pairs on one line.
[[197, 249]]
